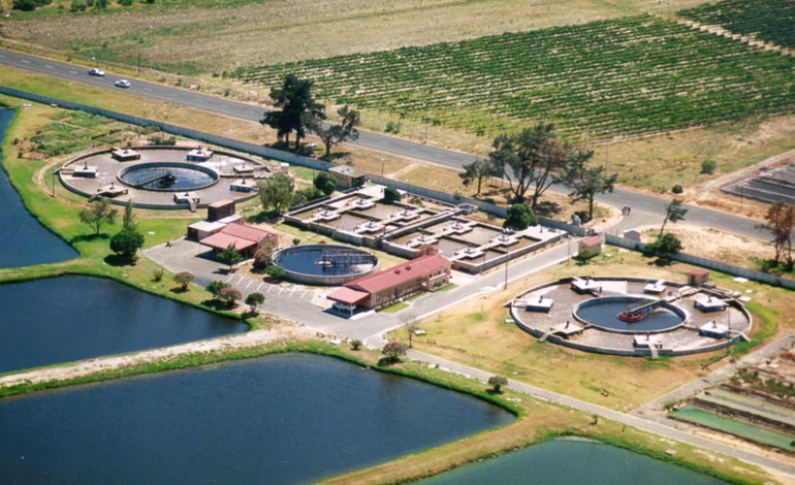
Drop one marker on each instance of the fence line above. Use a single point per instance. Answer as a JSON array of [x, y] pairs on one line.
[[718, 266], [283, 156]]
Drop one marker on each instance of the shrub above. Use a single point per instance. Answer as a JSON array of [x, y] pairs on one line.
[[391, 195], [276, 273], [677, 189], [356, 344], [157, 274], [708, 166], [216, 286], [393, 127]]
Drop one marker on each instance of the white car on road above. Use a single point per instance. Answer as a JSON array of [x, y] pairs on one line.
[[123, 83], [95, 71]]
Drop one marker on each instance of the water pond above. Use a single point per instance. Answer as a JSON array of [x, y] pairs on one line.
[[279, 419], [569, 461], [24, 240], [75, 317]]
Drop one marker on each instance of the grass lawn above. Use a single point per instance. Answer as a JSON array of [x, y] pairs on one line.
[[475, 333]]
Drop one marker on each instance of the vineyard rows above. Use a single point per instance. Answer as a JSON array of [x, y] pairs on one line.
[[618, 77], [768, 20]]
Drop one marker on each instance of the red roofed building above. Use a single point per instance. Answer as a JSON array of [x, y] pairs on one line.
[[377, 290], [246, 239]]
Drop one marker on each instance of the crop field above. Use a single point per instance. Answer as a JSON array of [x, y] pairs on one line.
[[617, 77], [768, 20]]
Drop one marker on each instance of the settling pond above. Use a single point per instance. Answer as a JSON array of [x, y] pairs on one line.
[[24, 240], [278, 419]]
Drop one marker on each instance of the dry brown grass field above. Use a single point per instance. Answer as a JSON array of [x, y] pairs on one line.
[[216, 39], [475, 333]]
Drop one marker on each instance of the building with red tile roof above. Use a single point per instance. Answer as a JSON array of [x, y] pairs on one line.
[[378, 290], [246, 239]]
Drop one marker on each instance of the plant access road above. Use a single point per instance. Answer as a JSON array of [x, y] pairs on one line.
[[651, 207]]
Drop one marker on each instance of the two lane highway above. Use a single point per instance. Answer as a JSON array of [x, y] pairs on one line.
[[652, 207]]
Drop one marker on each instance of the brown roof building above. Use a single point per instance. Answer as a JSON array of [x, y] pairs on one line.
[[377, 290], [246, 239]]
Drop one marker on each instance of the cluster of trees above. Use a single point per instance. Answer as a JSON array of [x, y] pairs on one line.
[[126, 242], [225, 295], [278, 193], [298, 112], [532, 160]]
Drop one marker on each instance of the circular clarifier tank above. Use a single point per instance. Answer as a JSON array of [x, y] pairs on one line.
[[324, 264], [603, 312], [167, 176]]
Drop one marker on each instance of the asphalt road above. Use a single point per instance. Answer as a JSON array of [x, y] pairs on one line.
[[652, 207]]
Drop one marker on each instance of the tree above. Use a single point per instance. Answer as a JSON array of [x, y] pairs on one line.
[[126, 243], [780, 219], [476, 171], [332, 135], [128, 220], [520, 217], [183, 279], [230, 256], [263, 258], [98, 214], [356, 344], [394, 351], [325, 183], [410, 321], [216, 286], [674, 212], [230, 295], [254, 300], [666, 245], [391, 195], [497, 383], [298, 109], [529, 160], [586, 182], [276, 193]]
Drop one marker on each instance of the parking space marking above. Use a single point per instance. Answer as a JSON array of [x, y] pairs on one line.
[[259, 286]]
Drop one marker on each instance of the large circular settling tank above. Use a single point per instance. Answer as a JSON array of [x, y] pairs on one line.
[[603, 312], [324, 264], [168, 176]]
